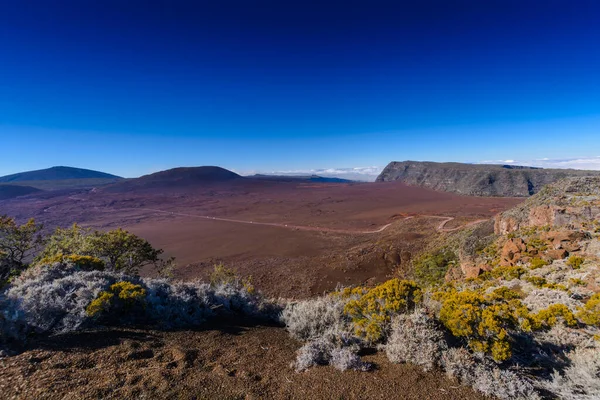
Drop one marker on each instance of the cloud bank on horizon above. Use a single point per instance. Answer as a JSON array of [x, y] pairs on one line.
[[591, 163], [367, 174]]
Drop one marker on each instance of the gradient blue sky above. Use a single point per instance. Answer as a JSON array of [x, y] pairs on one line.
[[133, 87]]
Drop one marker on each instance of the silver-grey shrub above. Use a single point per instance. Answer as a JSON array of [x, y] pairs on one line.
[[333, 350], [53, 299], [416, 339], [485, 376], [315, 318], [581, 379], [347, 358]]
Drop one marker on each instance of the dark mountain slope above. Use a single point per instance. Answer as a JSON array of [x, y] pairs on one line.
[[12, 191]]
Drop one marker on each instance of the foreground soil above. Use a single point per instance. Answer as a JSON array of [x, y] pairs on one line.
[[224, 361]]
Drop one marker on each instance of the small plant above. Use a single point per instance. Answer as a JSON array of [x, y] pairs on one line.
[[550, 316], [590, 313], [416, 338], [537, 244], [430, 269], [121, 296], [575, 262], [222, 275], [577, 281], [537, 262], [85, 263], [371, 313], [536, 281], [507, 273]]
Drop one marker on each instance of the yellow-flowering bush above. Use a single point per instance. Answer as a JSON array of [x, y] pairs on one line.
[[484, 320], [548, 317], [86, 263], [371, 309], [590, 313], [122, 295]]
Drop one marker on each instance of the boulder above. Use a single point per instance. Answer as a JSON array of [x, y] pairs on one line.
[[542, 215], [512, 251], [470, 270], [557, 254], [504, 225]]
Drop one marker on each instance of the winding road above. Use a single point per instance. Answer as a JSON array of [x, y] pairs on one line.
[[440, 228]]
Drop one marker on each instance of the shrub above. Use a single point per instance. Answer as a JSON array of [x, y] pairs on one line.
[[484, 320], [579, 381], [537, 262], [430, 269], [118, 249], [124, 251], [222, 275], [17, 244], [550, 316], [73, 240], [119, 299], [415, 339], [62, 298], [536, 281], [310, 319], [590, 313], [575, 262], [506, 273], [53, 301], [314, 352], [371, 313], [327, 350], [485, 377], [85, 263], [540, 299], [344, 359]]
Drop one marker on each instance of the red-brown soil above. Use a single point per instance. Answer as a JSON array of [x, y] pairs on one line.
[[296, 239], [226, 361]]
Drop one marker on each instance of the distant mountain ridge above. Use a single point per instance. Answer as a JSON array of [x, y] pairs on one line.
[[477, 179], [56, 174]]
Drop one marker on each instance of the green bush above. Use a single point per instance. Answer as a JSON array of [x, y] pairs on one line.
[[430, 269], [575, 262]]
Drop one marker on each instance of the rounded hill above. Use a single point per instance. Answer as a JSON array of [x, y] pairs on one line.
[[57, 173], [179, 177]]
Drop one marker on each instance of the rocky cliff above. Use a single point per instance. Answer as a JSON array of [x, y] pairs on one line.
[[476, 179], [572, 203]]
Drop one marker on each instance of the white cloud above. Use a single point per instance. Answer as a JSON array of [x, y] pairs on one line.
[[591, 163], [353, 173]]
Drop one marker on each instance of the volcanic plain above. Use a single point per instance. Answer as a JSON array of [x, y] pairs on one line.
[[295, 238]]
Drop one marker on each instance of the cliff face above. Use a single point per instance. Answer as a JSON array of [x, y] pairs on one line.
[[476, 180], [572, 203]]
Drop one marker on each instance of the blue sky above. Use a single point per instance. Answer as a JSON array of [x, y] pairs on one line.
[[131, 88]]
